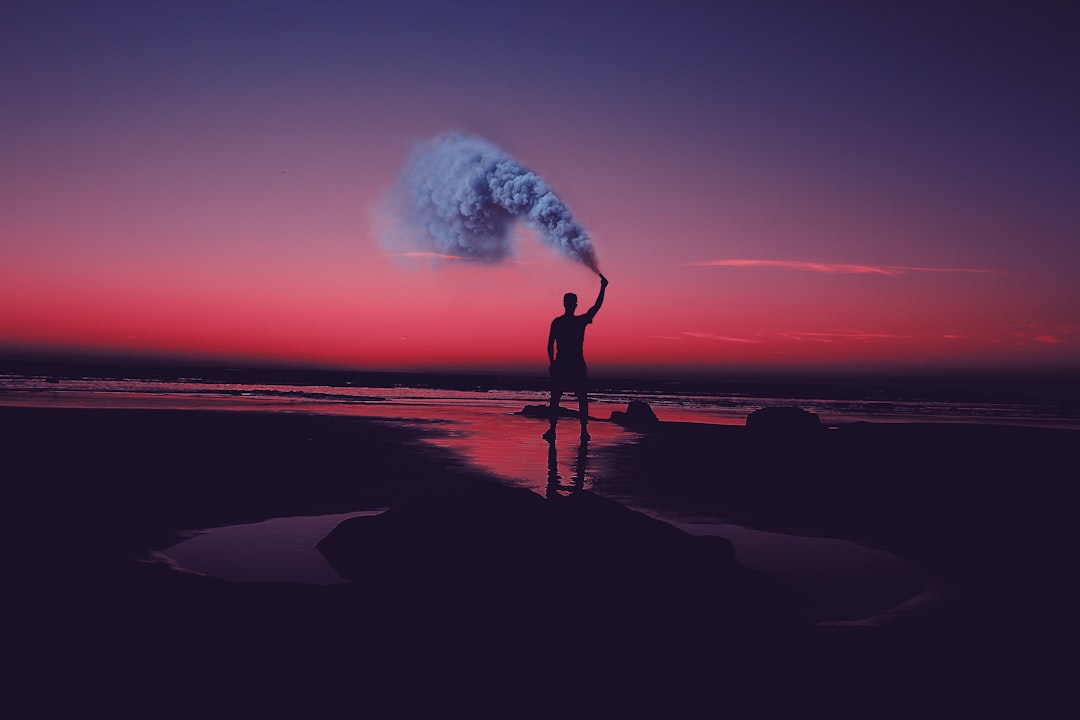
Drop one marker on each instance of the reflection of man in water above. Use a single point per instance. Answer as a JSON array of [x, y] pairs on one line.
[[555, 486], [565, 353]]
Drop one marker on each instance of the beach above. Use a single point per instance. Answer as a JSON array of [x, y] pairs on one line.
[[980, 509]]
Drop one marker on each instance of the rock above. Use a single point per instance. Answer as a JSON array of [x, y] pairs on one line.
[[494, 547], [784, 420], [544, 412], [638, 416]]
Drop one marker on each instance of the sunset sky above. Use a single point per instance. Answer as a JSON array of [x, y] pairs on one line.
[[767, 184]]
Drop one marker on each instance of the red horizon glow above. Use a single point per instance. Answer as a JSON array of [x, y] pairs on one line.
[[468, 315]]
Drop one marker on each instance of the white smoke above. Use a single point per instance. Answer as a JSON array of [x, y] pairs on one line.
[[460, 195]]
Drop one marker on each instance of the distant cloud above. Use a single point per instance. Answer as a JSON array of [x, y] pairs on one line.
[[827, 336], [837, 268], [719, 338], [1053, 335], [834, 335]]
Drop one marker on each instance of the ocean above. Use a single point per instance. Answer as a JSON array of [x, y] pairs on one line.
[[1045, 400]]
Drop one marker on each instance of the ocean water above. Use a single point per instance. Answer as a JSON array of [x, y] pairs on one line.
[[1040, 401]]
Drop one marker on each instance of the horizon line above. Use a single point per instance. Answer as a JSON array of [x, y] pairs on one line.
[[628, 371]]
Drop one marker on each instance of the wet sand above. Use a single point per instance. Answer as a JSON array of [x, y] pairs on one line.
[[980, 508]]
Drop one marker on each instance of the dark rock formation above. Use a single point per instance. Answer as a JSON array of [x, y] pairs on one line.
[[638, 416], [544, 412], [785, 420], [494, 546]]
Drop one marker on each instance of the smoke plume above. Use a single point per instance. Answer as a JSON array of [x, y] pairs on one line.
[[459, 196]]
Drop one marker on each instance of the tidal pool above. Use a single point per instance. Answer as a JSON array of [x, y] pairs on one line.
[[841, 580]]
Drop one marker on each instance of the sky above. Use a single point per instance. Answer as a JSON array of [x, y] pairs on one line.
[[766, 184]]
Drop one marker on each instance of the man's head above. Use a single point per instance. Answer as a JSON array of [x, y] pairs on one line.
[[569, 301]]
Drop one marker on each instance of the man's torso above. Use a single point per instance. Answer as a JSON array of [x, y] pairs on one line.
[[569, 334]]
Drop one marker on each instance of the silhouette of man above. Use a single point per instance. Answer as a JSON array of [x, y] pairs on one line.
[[567, 358]]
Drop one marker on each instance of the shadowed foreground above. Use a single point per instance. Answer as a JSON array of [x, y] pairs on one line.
[[983, 510], [484, 599]]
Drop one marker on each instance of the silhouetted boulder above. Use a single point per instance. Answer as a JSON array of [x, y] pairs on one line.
[[638, 416], [544, 412], [497, 545], [784, 420]]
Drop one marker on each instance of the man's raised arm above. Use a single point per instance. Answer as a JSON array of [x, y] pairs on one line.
[[599, 298]]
